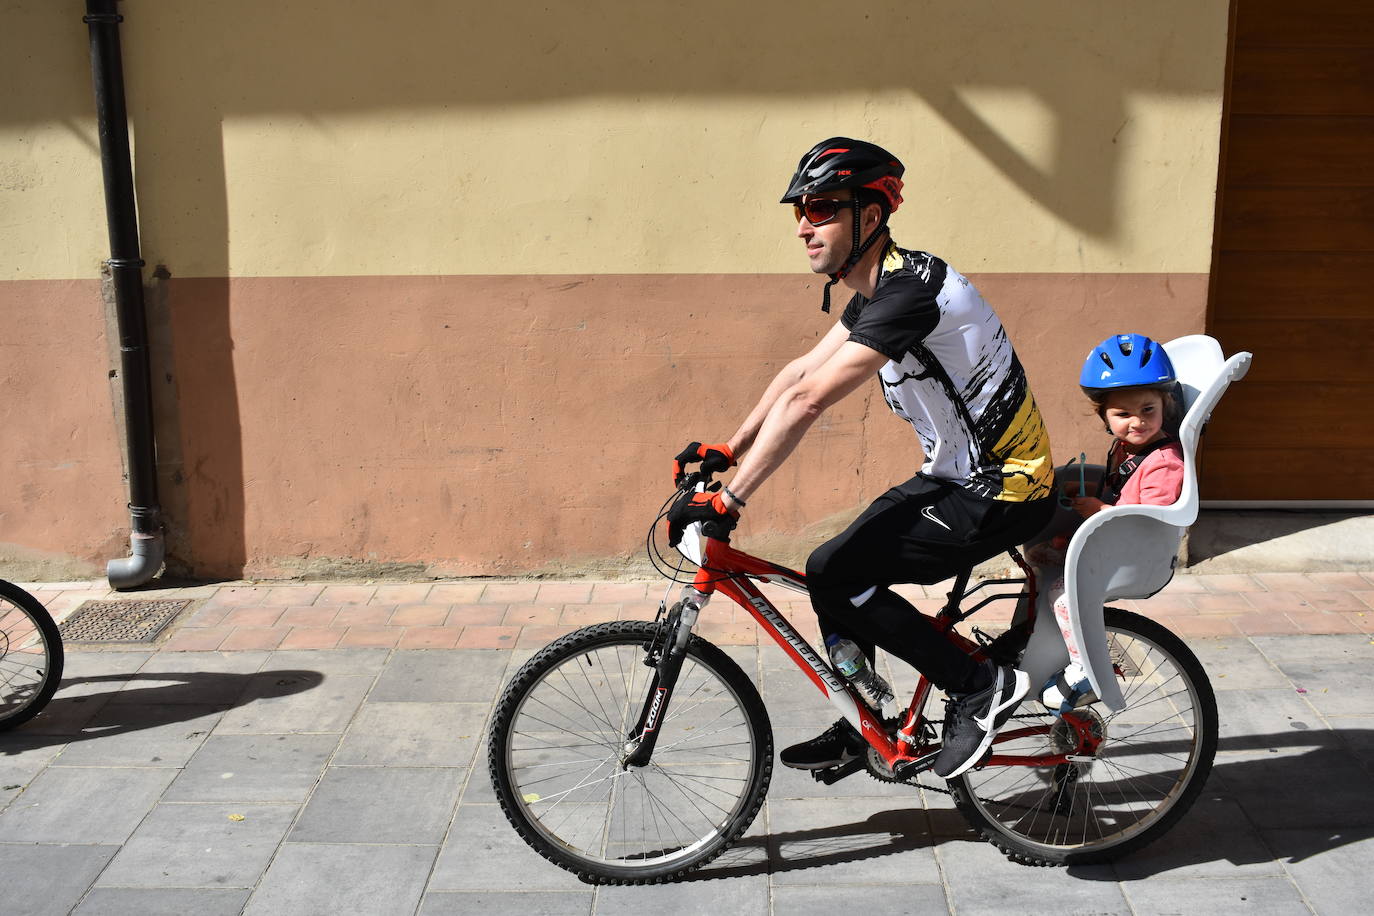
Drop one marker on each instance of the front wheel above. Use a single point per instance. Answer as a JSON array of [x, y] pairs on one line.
[[1153, 758], [30, 656], [558, 741]]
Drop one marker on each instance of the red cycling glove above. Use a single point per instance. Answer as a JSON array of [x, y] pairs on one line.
[[701, 507], [713, 458]]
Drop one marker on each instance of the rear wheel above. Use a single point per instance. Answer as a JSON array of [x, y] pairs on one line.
[[559, 736], [1152, 761], [30, 656]]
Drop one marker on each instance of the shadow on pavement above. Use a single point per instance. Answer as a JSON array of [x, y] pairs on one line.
[[68, 718], [1280, 797], [883, 834]]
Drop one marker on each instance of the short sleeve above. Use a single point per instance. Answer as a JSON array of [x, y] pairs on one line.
[[851, 311], [899, 316]]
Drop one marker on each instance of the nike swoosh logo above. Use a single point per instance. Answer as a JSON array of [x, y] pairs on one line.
[[929, 512]]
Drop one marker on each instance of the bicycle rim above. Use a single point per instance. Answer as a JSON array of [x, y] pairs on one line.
[[556, 760], [1154, 756], [30, 656]]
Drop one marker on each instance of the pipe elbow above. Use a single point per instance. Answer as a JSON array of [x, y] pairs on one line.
[[147, 552]]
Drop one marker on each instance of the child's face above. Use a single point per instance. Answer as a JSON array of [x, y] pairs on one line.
[[1135, 417]]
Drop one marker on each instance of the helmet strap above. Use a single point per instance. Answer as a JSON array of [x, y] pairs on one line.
[[856, 253]]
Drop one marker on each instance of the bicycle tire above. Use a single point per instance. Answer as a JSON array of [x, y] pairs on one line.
[[30, 656], [1155, 757], [556, 739]]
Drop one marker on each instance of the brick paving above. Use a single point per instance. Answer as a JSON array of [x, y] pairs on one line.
[[505, 613]]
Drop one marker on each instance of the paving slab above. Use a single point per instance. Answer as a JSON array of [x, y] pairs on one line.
[[414, 734], [483, 852], [380, 805], [981, 880], [748, 895], [142, 736], [86, 805], [48, 880], [438, 676], [524, 903], [307, 704], [253, 768], [1330, 867], [1215, 839], [889, 900], [22, 757], [162, 901], [1218, 897], [213, 846], [343, 880], [204, 678], [856, 840]]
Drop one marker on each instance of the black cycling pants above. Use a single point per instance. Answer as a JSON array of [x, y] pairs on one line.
[[922, 531]]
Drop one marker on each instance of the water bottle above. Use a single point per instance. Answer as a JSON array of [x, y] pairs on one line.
[[852, 663]]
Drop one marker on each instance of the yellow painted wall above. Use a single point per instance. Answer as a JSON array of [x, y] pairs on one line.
[[414, 138], [617, 164]]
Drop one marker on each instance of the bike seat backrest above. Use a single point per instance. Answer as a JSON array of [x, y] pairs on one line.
[[1131, 551]]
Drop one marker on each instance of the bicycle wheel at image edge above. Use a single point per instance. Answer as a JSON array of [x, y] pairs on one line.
[[1152, 763], [557, 738], [30, 656]]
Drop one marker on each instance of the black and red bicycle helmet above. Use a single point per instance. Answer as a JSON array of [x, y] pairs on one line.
[[841, 162]]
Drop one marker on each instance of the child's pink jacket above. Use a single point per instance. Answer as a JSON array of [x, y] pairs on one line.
[[1158, 480]]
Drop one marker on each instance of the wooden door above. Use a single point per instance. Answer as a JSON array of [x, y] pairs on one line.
[[1293, 265]]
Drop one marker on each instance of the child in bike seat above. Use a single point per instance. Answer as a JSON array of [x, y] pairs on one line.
[[1131, 383]]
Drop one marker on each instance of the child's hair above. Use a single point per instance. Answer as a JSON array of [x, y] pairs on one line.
[[1168, 393]]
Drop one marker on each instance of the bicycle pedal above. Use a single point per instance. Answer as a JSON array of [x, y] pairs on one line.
[[832, 775]]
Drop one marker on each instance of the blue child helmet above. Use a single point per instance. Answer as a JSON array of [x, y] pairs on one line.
[[1125, 361]]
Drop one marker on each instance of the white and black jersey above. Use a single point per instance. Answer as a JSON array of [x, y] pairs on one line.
[[952, 373]]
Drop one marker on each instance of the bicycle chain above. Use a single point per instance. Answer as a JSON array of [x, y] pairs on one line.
[[944, 791]]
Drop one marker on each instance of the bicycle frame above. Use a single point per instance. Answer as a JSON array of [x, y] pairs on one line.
[[727, 570]]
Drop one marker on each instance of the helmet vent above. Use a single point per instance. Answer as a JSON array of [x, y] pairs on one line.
[[1106, 359], [1145, 355]]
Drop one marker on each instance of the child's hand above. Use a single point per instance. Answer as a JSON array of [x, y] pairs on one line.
[[1088, 505], [1060, 542]]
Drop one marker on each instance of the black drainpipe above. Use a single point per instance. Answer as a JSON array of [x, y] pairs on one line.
[[126, 273]]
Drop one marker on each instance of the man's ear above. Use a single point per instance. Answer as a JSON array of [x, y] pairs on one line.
[[871, 216]]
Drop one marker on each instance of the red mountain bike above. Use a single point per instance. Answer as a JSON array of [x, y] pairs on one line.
[[635, 751]]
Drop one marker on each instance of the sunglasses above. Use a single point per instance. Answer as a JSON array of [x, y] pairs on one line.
[[820, 210]]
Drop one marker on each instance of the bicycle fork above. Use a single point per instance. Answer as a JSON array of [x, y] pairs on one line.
[[665, 657]]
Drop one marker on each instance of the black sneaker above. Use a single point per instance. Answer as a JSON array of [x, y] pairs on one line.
[[972, 720], [838, 744]]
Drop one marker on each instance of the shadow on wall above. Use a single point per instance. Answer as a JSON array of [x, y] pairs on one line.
[[258, 57]]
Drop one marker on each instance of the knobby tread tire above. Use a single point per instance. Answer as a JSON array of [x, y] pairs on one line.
[[623, 633], [1121, 621], [52, 673]]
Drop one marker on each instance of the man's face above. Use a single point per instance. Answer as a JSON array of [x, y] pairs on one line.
[[828, 245]]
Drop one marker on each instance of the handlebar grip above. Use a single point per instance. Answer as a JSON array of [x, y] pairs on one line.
[[716, 530]]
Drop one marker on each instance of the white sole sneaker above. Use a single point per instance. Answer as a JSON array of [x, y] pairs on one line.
[[989, 723]]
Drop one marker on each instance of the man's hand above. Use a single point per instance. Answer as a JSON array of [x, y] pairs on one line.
[[700, 507], [713, 458]]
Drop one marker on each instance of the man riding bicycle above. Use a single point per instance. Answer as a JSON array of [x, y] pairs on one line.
[[946, 366]]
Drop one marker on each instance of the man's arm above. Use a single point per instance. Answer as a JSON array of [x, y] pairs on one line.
[[793, 373], [798, 406]]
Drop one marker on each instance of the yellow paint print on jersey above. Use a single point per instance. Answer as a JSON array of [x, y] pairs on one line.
[[1024, 449]]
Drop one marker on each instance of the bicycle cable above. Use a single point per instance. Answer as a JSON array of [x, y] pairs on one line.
[[661, 563]]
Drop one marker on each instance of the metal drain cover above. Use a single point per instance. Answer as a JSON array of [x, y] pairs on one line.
[[120, 621]]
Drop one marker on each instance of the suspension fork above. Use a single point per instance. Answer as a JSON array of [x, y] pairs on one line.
[[666, 656]]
